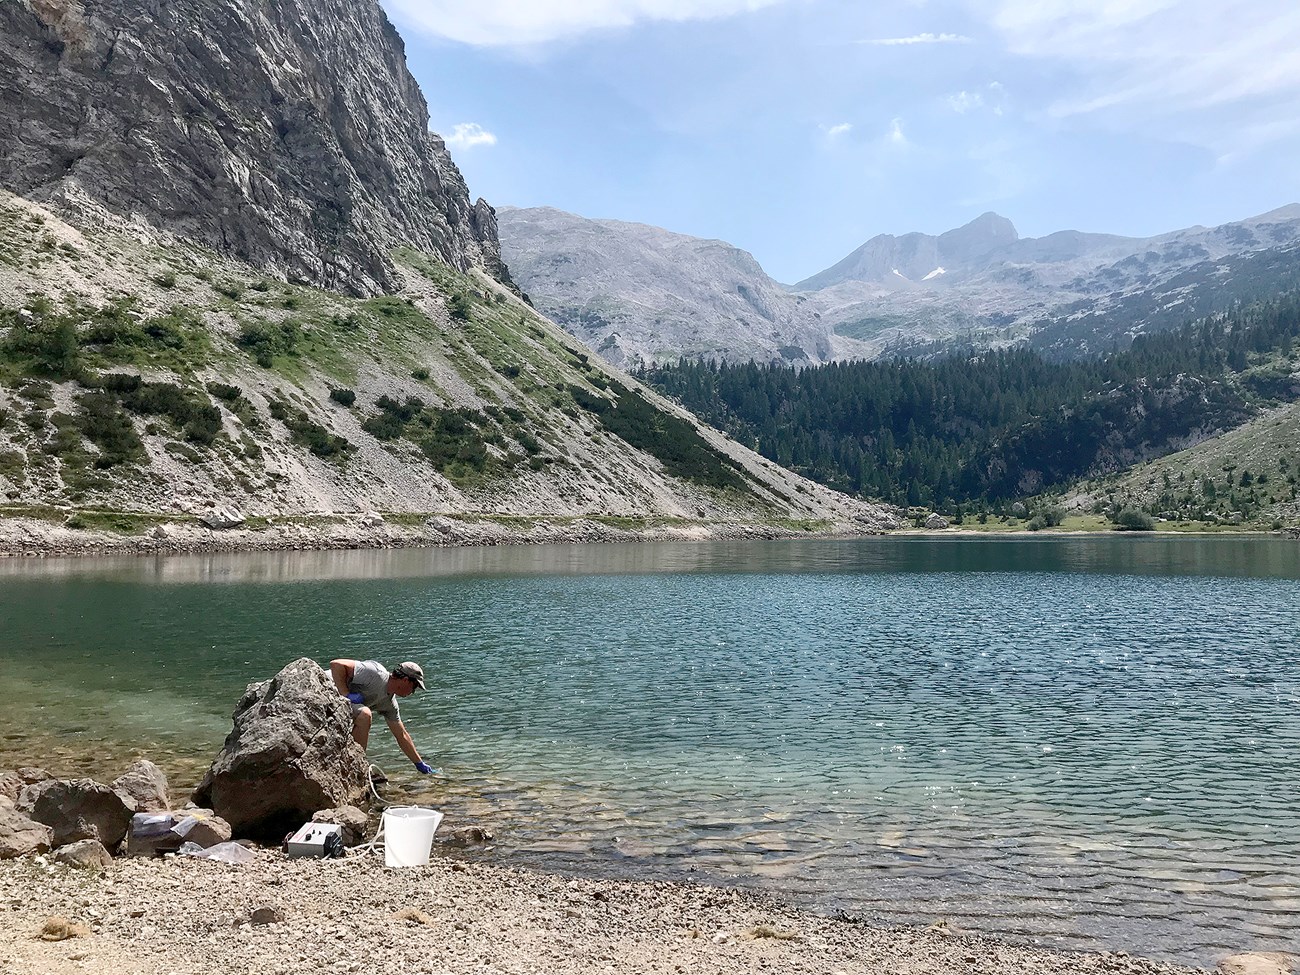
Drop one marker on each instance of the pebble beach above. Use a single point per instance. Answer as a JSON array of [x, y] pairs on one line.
[[278, 916]]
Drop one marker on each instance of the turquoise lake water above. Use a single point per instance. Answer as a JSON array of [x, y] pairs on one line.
[[1087, 742]]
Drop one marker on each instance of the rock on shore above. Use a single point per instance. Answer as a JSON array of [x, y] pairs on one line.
[[289, 755]]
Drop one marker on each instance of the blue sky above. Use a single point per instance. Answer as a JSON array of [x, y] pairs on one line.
[[797, 129]]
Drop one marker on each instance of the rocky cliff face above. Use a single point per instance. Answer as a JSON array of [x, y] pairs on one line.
[[285, 133]]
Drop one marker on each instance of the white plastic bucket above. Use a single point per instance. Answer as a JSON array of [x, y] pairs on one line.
[[408, 835]]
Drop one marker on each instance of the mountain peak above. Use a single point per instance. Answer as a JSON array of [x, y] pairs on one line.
[[987, 232]]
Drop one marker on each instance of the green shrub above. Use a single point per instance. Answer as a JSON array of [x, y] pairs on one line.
[[103, 422], [1049, 516], [13, 466], [1134, 520], [264, 340], [303, 430], [165, 279], [460, 306], [347, 323], [229, 289], [191, 411], [224, 391], [38, 393], [390, 423], [344, 397], [45, 342], [420, 373], [673, 441], [263, 285], [118, 382]]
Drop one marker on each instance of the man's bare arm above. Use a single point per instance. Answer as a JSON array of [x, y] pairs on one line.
[[404, 741], [342, 671]]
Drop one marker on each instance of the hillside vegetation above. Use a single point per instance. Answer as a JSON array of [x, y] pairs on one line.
[[976, 433], [141, 374]]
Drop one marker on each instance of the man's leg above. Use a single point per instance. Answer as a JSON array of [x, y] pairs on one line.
[[361, 726]]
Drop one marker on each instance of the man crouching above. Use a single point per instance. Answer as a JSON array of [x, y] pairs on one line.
[[373, 689]]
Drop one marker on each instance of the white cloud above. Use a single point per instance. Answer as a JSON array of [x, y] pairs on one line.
[[1199, 70], [467, 135], [992, 98], [926, 38], [835, 131], [896, 137], [519, 22]]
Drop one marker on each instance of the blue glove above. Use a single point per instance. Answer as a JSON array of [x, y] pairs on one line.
[[424, 768], [354, 697]]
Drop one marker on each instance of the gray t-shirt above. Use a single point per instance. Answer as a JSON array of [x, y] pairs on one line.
[[370, 680]]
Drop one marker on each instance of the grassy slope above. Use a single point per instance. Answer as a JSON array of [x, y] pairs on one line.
[[466, 401], [1265, 453]]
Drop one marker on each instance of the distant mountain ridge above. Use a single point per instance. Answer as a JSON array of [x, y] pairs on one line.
[[984, 285], [917, 257], [639, 294]]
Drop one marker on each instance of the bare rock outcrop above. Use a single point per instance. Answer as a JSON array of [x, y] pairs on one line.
[[78, 809], [290, 135], [290, 755]]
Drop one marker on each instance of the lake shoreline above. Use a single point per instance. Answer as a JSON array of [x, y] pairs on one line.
[[32, 537], [275, 916], [28, 537]]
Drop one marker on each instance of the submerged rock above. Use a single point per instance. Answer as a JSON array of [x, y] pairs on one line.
[[290, 755]]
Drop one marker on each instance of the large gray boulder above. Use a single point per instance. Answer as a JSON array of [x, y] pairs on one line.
[[78, 809], [290, 754], [21, 835], [146, 784]]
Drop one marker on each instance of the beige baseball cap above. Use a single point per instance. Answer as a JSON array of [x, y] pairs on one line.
[[412, 670]]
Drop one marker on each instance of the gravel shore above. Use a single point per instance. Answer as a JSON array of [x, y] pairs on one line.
[[36, 538], [275, 916]]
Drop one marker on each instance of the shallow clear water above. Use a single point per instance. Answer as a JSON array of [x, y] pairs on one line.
[[1090, 742]]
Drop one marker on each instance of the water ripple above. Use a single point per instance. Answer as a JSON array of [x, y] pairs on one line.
[[1071, 742]]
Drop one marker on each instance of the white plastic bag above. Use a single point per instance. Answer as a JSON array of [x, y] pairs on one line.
[[229, 852]]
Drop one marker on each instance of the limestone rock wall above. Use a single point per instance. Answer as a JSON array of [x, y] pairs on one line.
[[286, 133]]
